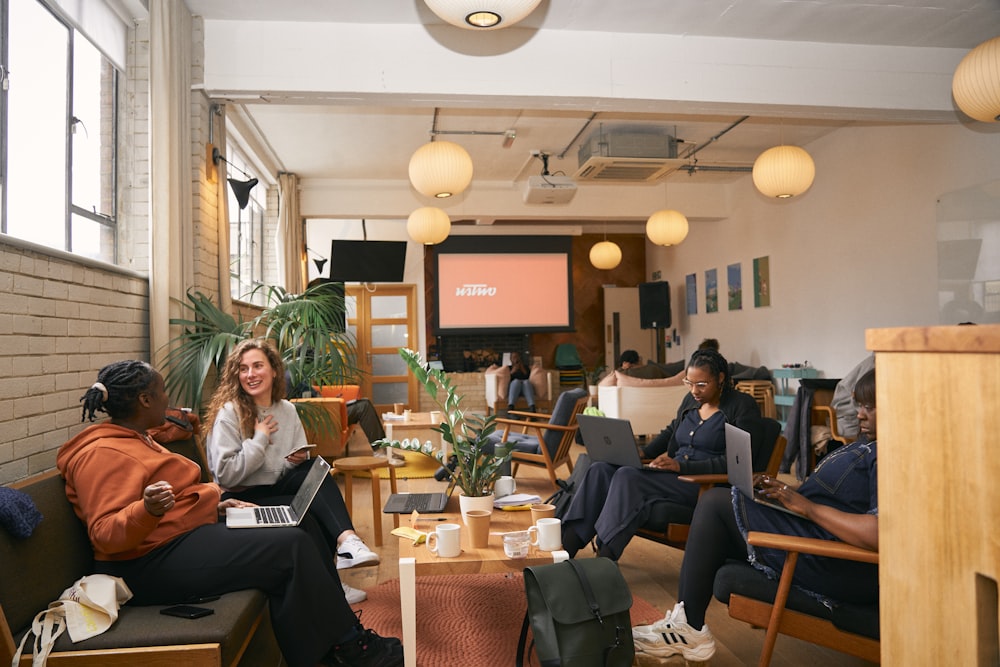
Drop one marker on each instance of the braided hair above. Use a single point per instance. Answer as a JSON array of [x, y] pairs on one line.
[[713, 362], [117, 389]]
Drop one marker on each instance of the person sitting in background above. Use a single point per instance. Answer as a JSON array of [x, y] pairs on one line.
[[628, 359], [257, 450], [614, 501], [519, 384], [843, 403], [706, 344], [153, 523], [839, 501]]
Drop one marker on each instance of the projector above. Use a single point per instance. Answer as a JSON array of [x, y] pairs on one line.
[[549, 190]]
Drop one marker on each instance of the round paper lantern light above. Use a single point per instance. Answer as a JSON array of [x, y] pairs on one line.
[[482, 14], [667, 227], [428, 225], [605, 255], [783, 171], [976, 83], [440, 169]]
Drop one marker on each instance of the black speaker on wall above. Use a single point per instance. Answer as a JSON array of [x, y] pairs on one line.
[[654, 305]]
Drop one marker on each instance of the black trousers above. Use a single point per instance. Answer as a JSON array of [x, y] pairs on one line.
[[328, 508], [308, 610], [363, 413]]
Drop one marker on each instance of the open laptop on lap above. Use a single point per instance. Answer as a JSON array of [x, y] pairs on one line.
[[425, 503], [274, 516], [739, 464], [610, 440]]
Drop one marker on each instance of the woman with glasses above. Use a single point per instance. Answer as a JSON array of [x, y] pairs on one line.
[[614, 501]]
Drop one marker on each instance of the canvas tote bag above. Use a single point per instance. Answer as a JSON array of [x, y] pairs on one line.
[[87, 608]]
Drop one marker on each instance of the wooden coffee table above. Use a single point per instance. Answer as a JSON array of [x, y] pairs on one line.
[[418, 560], [418, 426]]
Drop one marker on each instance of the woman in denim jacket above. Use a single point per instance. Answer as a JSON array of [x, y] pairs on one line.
[[614, 501], [840, 501]]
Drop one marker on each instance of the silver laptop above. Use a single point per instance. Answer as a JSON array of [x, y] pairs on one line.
[[274, 516], [610, 440], [739, 464], [431, 503]]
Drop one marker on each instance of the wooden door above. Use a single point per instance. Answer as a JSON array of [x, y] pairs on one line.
[[383, 318]]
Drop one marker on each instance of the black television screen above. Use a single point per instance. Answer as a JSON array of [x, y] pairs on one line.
[[367, 261], [503, 284]]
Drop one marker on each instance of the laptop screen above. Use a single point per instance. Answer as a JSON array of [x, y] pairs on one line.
[[310, 485]]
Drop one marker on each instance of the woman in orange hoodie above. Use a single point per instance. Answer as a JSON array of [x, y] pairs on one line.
[[154, 524]]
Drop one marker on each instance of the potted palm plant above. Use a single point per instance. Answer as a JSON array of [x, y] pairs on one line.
[[306, 328], [472, 464]]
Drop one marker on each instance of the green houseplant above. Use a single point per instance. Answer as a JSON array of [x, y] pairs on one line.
[[306, 329], [471, 466]]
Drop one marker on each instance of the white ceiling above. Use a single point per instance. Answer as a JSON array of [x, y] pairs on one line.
[[368, 141]]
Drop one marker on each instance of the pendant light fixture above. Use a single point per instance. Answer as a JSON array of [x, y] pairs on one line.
[[605, 254], [428, 225], [482, 14], [976, 83], [783, 171], [440, 169], [667, 227]]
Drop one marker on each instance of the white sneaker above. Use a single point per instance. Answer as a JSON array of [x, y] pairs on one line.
[[352, 552], [354, 595], [673, 636]]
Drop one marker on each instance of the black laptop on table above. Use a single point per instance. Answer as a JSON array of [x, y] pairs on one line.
[[425, 503]]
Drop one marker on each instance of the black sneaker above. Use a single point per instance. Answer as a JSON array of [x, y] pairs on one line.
[[368, 650]]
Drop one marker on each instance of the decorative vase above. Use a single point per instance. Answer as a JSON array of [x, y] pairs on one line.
[[467, 503]]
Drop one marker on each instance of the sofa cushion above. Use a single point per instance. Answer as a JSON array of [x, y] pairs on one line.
[[648, 372], [623, 380], [742, 372], [671, 369]]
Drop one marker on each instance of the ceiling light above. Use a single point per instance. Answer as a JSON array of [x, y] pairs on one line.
[[976, 84], [605, 255], [667, 227], [428, 225], [783, 172], [482, 14], [440, 169]]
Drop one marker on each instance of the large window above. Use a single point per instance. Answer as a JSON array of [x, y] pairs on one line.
[[246, 236], [58, 107]]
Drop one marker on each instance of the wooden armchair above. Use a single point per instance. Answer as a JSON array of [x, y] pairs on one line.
[[779, 608], [668, 523], [545, 444]]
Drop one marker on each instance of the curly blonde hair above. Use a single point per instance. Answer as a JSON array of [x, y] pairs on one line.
[[230, 389]]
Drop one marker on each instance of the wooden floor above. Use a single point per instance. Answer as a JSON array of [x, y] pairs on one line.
[[651, 570]]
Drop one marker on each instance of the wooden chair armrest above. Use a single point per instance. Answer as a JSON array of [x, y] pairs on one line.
[[809, 545], [710, 479], [826, 412], [525, 413]]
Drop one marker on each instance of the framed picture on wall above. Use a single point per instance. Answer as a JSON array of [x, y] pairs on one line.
[[712, 291], [761, 282], [734, 277], [691, 292]]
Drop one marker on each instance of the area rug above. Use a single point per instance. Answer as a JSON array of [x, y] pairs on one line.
[[468, 620]]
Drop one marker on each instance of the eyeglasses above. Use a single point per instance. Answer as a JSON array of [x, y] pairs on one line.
[[699, 385]]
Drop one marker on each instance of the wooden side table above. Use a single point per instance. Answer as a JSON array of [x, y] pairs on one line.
[[370, 464]]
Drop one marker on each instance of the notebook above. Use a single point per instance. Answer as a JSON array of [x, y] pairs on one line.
[[739, 464], [431, 503], [272, 516], [610, 440]]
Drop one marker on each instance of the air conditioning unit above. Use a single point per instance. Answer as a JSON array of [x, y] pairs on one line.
[[627, 155], [549, 190]]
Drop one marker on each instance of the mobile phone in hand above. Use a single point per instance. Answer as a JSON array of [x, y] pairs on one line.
[[187, 611]]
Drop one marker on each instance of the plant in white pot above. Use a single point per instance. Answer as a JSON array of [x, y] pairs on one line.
[[472, 464]]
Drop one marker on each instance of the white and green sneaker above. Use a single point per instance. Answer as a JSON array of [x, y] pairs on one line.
[[672, 635]]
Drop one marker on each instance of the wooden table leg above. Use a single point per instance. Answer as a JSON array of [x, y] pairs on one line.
[[408, 609], [377, 506], [348, 491]]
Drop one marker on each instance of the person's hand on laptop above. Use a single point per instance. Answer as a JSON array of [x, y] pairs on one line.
[[233, 502], [775, 489], [664, 462]]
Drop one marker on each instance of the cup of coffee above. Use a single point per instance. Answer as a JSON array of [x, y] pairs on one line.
[[516, 544], [504, 486], [546, 534], [542, 511], [436, 417], [397, 408], [478, 522], [446, 540], [406, 415]]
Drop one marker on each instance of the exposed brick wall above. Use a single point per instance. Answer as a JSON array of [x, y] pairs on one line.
[[60, 322]]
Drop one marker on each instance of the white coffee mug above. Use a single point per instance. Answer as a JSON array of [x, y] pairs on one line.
[[504, 486], [546, 534], [446, 540]]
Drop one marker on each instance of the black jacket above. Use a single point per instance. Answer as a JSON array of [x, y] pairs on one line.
[[739, 409]]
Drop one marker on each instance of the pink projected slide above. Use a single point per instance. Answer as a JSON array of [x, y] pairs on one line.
[[502, 290]]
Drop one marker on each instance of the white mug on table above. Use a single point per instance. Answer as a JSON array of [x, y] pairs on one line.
[[546, 534], [504, 486], [447, 542]]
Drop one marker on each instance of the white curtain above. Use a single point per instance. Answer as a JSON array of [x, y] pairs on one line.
[[171, 242], [288, 238]]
